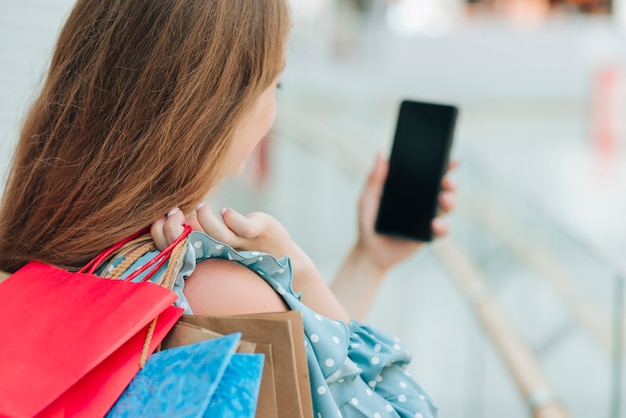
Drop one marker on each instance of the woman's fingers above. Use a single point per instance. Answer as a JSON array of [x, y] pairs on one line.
[[447, 197], [214, 227], [446, 202], [156, 232], [173, 226], [440, 227], [448, 184], [247, 227], [167, 228]]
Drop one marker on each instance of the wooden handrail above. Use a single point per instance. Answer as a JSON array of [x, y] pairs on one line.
[[517, 356], [545, 263]]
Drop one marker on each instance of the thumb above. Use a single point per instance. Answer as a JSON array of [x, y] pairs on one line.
[[377, 176]]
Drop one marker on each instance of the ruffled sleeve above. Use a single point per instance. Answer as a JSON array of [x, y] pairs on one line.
[[383, 360]]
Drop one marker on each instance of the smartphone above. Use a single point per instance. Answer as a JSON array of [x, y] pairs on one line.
[[418, 162]]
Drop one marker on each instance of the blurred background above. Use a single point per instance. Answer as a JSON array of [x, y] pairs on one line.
[[519, 312]]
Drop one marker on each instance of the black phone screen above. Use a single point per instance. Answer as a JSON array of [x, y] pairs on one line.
[[418, 161]]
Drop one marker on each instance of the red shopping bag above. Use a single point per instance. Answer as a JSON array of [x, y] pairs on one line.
[[71, 342]]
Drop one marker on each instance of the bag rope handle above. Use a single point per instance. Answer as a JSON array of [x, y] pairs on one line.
[[168, 281], [160, 258], [129, 259], [146, 344], [90, 268]]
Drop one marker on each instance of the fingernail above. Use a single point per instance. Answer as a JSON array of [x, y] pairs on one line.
[[439, 224], [200, 206], [223, 211], [172, 212]]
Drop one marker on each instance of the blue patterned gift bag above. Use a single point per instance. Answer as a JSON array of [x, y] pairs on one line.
[[207, 379]]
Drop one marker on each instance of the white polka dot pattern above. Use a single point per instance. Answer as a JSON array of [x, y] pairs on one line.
[[352, 362]]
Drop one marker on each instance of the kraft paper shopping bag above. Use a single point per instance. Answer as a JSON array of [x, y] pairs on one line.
[[283, 335], [185, 334]]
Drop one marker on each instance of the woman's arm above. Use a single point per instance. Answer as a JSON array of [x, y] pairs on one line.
[[357, 282], [361, 274]]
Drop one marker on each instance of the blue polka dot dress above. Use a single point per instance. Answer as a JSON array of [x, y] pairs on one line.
[[355, 370]]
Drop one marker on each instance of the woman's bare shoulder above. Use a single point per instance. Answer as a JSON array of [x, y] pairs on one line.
[[223, 287]]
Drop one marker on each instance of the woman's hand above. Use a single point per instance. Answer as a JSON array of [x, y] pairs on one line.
[[384, 251], [256, 231], [358, 279]]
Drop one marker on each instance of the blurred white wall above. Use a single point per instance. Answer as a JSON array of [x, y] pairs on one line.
[[527, 138]]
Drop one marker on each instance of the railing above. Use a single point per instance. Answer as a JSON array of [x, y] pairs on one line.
[[550, 303]]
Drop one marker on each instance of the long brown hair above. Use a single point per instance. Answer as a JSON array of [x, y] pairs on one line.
[[135, 117]]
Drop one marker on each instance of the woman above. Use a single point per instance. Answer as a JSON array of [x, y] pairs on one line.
[[146, 106]]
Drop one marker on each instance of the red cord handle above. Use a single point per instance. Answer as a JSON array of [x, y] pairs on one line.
[[93, 265], [160, 259]]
